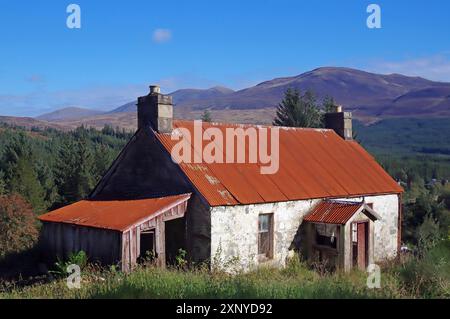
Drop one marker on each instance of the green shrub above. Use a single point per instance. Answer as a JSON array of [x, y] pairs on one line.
[[180, 259], [428, 234], [429, 275], [80, 258]]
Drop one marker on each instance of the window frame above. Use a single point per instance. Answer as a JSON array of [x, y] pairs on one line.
[[265, 256]]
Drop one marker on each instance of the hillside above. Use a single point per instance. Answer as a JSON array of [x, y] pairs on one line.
[[29, 123], [67, 113]]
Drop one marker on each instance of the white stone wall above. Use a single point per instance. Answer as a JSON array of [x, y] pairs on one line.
[[234, 230]]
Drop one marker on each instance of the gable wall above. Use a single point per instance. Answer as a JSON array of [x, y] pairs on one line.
[[143, 170], [234, 230], [146, 170]]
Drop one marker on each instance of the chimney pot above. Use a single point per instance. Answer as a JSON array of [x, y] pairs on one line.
[[155, 89]]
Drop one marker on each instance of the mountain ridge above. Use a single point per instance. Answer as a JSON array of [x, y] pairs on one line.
[[181, 96], [66, 113], [364, 93]]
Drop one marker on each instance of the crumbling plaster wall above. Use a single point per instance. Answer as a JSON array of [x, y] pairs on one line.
[[234, 232]]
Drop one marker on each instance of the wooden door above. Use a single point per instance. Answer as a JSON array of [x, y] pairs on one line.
[[362, 245]]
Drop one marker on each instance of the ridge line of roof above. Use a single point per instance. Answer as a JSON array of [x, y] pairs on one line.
[[316, 129]]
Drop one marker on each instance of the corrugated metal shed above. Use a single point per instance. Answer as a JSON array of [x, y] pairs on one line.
[[314, 163], [113, 215], [333, 212]]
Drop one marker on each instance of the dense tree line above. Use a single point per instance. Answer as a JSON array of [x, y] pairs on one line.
[[50, 168]]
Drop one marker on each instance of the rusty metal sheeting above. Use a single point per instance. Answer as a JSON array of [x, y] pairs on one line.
[[113, 215], [333, 212], [313, 163]]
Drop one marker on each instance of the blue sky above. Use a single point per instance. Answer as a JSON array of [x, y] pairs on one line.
[[123, 46]]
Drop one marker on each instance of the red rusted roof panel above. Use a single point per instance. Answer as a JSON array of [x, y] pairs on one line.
[[313, 163], [113, 215], [333, 212], [200, 174]]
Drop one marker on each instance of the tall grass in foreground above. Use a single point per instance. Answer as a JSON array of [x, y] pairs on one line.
[[427, 277]]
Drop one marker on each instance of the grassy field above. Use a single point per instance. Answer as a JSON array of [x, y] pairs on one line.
[[427, 277]]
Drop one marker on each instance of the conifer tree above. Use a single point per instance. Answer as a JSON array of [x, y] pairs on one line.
[[328, 104], [24, 181], [64, 172], [103, 158], [206, 116], [74, 171], [20, 172], [297, 110]]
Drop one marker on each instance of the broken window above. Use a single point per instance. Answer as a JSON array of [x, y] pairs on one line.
[[265, 235], [326, 235]]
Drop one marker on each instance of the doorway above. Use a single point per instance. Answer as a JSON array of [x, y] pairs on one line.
[[147, 246], [175, 240], [360, 245]]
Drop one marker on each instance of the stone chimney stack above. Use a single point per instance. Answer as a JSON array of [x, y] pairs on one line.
[[155, 110], [340, 122]]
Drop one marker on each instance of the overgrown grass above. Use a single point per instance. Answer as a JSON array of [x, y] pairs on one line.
[[427, 277]]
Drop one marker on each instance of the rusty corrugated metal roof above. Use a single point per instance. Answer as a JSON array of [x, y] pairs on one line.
[[333, 212], [314, 163], [113, 215]]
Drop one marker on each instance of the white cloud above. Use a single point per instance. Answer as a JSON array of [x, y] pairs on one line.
[[162, 35], [435, 67]]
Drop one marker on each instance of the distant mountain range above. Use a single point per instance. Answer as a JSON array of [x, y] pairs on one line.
[[364, 93], [68, 113], [368, 95], [182, 98]]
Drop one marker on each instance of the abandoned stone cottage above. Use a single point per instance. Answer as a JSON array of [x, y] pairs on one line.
[[329, 200]]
